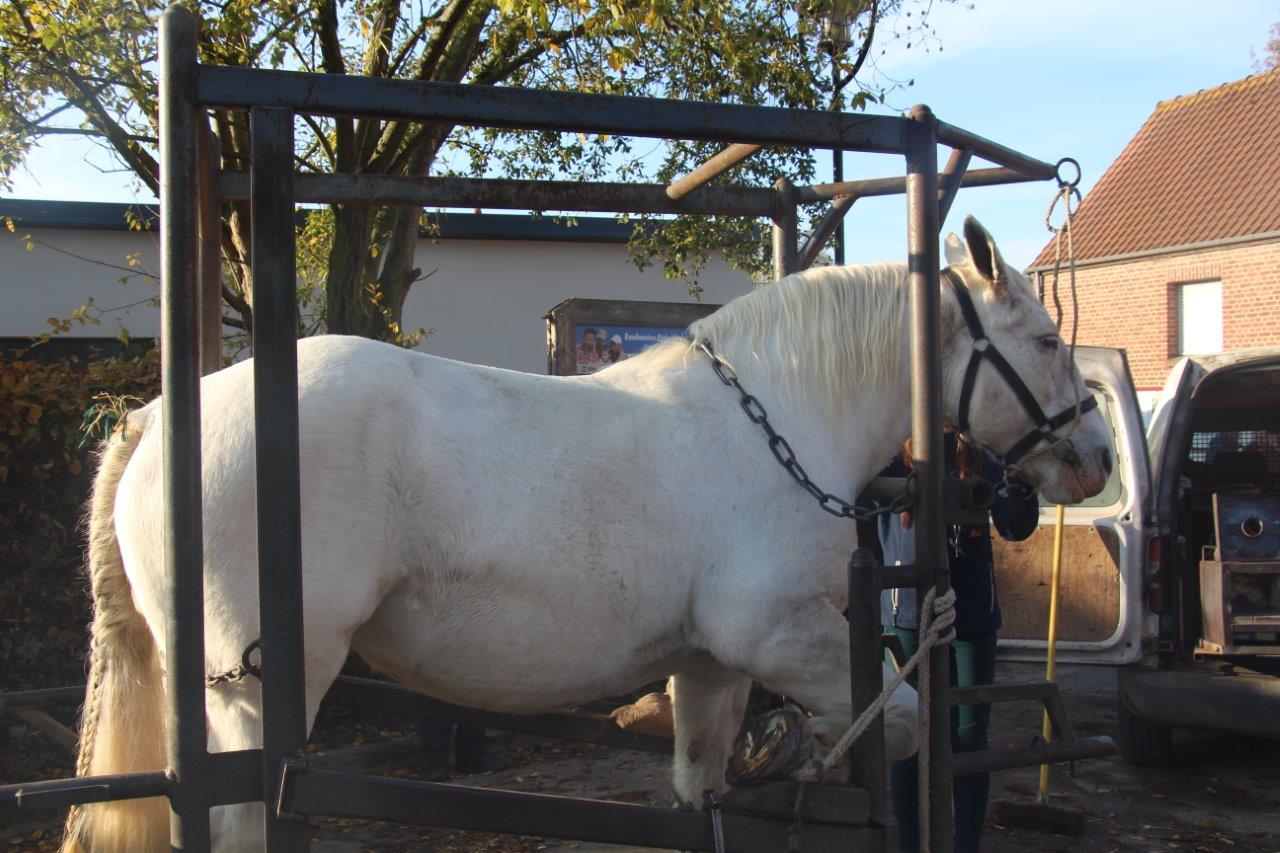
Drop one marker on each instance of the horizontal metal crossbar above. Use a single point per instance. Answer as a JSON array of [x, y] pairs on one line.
[[60, 793], [313, 793], [506, 194], [533, 109], [1051, 752], [897, 185], [1045, 692], [1001, 155], [47, 696], [398, 699], [236, 777]]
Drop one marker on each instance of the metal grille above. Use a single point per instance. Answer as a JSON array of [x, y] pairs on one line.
[[1206, 447]]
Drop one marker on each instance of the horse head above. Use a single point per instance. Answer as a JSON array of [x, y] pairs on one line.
[[1011, 383]]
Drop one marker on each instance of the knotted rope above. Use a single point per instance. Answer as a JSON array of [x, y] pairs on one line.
[[1069, 195], [937, 618]]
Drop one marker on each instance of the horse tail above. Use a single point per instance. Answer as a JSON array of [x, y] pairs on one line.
[[123, 726]]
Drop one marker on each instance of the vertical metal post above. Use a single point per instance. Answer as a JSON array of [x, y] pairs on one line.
[[210, 252], [275, 400], [866, 677], [837, 176], [180, 428], [784, 229], [927, 447]]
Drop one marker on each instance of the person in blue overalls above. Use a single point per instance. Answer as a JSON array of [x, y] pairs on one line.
[[973, 652]]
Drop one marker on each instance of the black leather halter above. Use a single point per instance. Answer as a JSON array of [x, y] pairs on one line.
[[985, 350]]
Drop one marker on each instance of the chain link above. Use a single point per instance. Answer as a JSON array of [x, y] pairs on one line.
[[240, 671], [786, 456]]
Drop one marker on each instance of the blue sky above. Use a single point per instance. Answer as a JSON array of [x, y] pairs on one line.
[[1052, 78]]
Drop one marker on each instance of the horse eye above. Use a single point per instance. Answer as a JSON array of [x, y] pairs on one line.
[[1049, 342]]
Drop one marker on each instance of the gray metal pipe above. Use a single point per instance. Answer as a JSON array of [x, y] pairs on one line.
[[950, 181], [784, 229], [958, 137], [866, 677], [895, 186], [508, 194], [279, 495], [714, 167], [180, 434], [827, 227], [927, 446]]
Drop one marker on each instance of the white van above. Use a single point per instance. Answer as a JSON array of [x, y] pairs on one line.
[[1172, 572]]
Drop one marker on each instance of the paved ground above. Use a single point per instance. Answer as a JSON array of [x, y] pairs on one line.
[[1223, 796]]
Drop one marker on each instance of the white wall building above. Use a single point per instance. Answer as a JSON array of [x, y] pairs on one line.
[[495, 277]]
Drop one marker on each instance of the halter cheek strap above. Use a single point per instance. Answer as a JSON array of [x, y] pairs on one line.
[[985, 350]]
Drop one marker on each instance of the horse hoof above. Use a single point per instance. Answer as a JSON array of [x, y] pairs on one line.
[[769, 746], [650, 715]]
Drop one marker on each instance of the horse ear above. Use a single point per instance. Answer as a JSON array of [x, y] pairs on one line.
[[954, 250], [983, 253]]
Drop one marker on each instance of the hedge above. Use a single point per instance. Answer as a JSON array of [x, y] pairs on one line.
[[46, 467]]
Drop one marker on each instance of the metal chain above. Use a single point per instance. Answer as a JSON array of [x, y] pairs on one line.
[[786, 456], [240, 671]]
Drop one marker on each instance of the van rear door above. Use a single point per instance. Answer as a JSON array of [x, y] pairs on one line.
[[1102, 618]]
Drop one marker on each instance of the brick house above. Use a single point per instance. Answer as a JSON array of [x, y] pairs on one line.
[[1178, 244]]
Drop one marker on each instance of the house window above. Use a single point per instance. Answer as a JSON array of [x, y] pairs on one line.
[[1199, 317]]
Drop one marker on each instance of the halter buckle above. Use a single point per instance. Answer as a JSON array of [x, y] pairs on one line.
[[981, 344]]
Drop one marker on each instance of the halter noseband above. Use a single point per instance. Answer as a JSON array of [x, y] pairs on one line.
[[984, 349]]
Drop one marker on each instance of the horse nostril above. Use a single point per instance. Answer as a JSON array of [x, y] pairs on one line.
[[1104, 456]]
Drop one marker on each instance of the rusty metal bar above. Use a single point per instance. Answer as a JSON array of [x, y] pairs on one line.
[[896, 186], [785, 227], [950, 180], [60, 793], [1007, 758], [188, 755], [897, 577], [866, 671], [46, 696], [717, 165], [827, 226], [47, 726], [279, 493], [928, 454], [208, 153], [233, 778], [533, 109], [320, 792], [496, 193], [1031, 168]]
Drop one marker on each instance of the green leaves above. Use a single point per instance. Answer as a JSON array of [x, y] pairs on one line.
[[92, 63]]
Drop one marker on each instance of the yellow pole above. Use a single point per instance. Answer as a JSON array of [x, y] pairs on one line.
[[1051, 657]]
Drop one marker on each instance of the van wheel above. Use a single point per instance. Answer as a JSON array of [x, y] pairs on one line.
[[1142, 742]]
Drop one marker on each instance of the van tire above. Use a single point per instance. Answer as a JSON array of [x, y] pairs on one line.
[[1142, 743]]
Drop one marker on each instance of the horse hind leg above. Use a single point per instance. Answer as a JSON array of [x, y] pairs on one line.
[[708, 711], [234, 713]]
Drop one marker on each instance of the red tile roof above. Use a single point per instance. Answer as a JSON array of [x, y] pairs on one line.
[[1203, 167]]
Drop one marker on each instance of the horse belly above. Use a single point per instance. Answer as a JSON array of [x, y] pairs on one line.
[[471, 644]]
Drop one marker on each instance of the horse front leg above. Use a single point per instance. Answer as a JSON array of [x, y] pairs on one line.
[[800, 648], [708, 710]]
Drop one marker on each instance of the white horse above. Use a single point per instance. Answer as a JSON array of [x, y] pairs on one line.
[[527, 543]]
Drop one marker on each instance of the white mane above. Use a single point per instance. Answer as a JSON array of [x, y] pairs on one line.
[[823, 332]]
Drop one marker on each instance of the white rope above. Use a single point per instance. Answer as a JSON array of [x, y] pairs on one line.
[[937, 618]]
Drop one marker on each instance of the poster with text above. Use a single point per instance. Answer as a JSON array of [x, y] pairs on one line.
[[600, 346]]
